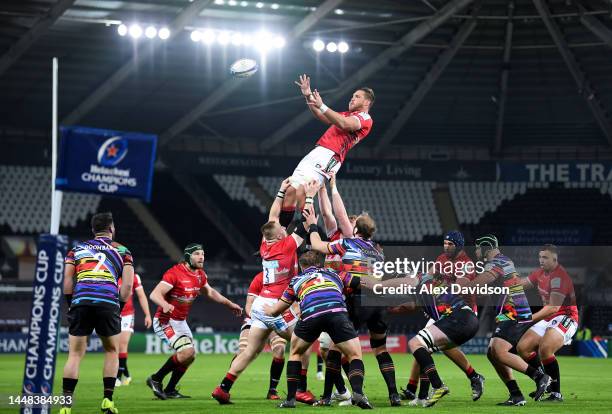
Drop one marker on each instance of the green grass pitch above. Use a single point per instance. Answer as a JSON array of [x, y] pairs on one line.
[[586, 384]]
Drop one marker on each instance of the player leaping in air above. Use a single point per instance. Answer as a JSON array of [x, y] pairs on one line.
[[346, 129]]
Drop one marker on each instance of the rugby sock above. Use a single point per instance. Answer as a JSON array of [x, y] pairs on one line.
[[276, 370], [339, 382], [303, 385], [551, 367], [332, 371], [123, 370], [427, 366], [387, 369], [533, 373], [356, 374], [286, 216], [177, 374], [319, 362], [228, 381], [412, 385], [109, 387], [345, 366], [534, 360], [168, 367], [69, 384], [471, 372], [293, 378], [424, 388], [514, 389]]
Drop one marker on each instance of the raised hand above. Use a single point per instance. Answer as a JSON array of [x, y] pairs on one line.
[[304, 84], [315, 99]]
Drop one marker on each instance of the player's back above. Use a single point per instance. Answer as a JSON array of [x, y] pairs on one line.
[[513, 306], [318, 291], [98, 265], [358, 255]]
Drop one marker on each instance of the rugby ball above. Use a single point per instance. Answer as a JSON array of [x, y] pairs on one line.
[[244, 68]]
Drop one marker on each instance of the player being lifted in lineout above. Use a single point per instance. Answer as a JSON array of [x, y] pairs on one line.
[[346, 129]]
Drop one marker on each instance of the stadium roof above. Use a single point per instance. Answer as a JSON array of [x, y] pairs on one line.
[[490, 73]]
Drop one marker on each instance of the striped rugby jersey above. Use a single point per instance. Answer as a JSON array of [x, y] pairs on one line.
[[437, 306], [358, 255], [99, 265], [512, 307], [319, 291]]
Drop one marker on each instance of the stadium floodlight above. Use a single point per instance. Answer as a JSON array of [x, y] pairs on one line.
[[151, 32], [237, 39], [208, 36], [164, 33], [223, 38], [232, 3], [343, 47], [274, 6], [247, 40], [196, 36], [339, 11], [135, 31], [220, 2], [279, 42], [244, 3], [332, 47], [122, 30], [318, 45], [259, 5]]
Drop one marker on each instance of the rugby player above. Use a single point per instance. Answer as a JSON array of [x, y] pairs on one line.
[[358, 254], [94, 303], [322, 308], [174, 295], [557, 321], [346, 129], [277, 343], [455, 256], [279, 262], [513, 319], [127, 328], [455, 323]]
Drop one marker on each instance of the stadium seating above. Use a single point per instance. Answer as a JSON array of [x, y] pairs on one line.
[[472, 200], [235, 187], [404, 210], [25, 201]]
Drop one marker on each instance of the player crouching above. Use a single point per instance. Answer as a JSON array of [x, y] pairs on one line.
[[174, 295], [322, 307]]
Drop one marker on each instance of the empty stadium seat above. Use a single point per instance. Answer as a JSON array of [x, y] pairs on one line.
[[25, 200]]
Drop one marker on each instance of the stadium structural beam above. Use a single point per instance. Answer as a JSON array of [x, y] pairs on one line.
[[230, 85], [427, 83], [503, 83], [377, 63], [584, 88], [143, 53], [594, 25], [13, 54]]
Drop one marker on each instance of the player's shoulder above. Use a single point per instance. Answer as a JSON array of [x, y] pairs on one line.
[[362, 114], [463, 257], [560, 271]]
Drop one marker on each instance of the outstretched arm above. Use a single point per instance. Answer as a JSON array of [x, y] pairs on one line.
[[304, 84], [326, 211], [316, 243], [144, 304], [278, 201], [344, 224], [276, 309], [215, 296], [345, 123]]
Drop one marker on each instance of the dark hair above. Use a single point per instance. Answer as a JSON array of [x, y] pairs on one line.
[[267, 230], [550, 248], [311, 258], [101, 222], [369, 94], [365, 225]]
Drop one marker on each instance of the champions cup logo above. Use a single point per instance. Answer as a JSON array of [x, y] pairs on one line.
[[112, 151]]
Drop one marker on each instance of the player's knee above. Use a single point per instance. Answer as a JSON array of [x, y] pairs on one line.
[[186, 355], [490, 355], [378, 344]]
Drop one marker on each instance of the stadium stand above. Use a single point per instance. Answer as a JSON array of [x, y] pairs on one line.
[[235, 187], [25, 201]]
